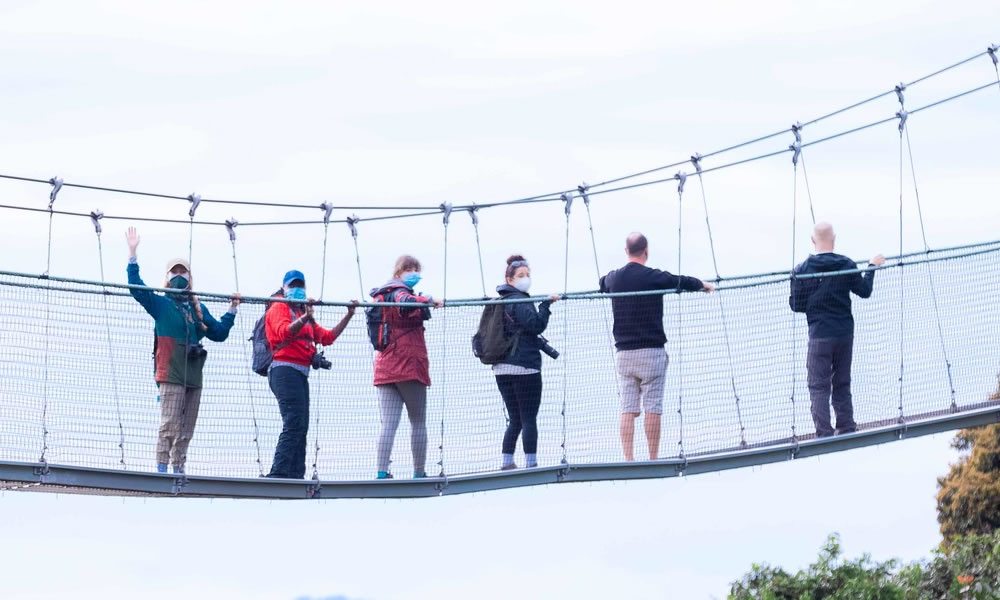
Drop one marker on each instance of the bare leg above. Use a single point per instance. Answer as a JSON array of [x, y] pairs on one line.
[[652, 424], [628, 435]]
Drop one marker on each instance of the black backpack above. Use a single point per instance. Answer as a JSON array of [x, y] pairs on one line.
[[262, 353], [377, 319], [492, 344]]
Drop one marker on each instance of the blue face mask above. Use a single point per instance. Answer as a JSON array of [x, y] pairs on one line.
[[411, 278], [179, 282], [296, 293]]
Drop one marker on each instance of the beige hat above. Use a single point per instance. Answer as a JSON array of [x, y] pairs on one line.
[[178, 261]]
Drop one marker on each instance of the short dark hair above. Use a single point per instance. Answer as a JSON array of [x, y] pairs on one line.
[[636, 244]]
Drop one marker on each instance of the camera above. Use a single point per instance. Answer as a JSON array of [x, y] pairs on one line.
[[545, 347], [319, 361], [196, 352]]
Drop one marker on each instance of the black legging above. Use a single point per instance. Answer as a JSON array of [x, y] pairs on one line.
[[523, 395]]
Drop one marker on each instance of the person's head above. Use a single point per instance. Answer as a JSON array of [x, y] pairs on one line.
[[178, 275], [637, 248], [294, 285], [518, 273], [179, 278], [407, 270], [823, 237]]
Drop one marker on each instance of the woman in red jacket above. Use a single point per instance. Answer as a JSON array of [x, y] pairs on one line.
[[402, 370], [292, 333]]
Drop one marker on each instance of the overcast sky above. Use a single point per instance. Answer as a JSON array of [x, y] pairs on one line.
[[403, 104]]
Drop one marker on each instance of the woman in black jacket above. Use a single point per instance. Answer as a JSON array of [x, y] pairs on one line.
[[519, 376]]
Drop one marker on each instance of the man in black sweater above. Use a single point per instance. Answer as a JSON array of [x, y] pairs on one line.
[[641, 358], [827, 304]]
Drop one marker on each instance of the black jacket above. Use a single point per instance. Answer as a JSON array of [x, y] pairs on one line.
[[529, 322], [639, 319], [827, 300]]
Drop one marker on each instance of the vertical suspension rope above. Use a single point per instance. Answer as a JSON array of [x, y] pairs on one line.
[[902, 115], [352, 223], [568, 200], [696, 159], [680, 344], [95, 218], [473, 214], [57, 184], [797, 151], [800, 156], [446, 209], [195, 200], [247, 350], [930, 271], [582, 189], [327, 209]]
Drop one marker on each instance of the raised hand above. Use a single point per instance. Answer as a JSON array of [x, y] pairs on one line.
[[353, 306], [236, 299], [132, 237], [707, 287], [878, 261]]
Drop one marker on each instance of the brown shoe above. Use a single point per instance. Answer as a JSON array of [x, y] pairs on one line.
[[509, 467]]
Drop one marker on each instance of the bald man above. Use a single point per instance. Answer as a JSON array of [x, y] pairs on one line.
[[827, 304], [641, 358]]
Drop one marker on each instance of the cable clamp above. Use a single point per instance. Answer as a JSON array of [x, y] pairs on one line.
[[231, 228], [352, 222], [681, 178], [796, 149], [696, 161], [57, 184], [328, 207], [195, 200], [899, 92], [582, 189], [95, 218], [902, 115], [474, 215], [797, 131], [992, 51], [568, 199], [446, 209]]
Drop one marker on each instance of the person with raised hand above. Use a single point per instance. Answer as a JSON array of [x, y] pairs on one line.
[[180, 323]]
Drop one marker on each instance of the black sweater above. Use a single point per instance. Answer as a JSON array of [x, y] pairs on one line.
[[639, 319], [827, 300]]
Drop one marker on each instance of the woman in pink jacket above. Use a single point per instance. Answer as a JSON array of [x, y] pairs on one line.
[[402, 370]]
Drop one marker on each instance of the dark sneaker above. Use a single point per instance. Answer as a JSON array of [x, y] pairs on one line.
[[509, 467]]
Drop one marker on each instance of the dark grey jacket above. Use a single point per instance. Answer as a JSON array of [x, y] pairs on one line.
[[524, 318]]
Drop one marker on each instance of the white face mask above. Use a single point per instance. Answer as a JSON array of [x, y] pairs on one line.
[[523, 284]]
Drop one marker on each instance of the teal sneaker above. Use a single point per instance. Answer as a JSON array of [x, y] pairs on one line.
[[383, 475]]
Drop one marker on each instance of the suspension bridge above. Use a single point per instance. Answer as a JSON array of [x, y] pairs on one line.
[[77, 400]]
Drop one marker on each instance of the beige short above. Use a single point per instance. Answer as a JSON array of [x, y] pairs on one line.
[[642, 376]]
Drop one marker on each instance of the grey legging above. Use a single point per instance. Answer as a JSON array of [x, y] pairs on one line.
[[391, 399]]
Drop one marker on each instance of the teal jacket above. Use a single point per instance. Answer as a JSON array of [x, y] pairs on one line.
[[176, 330]]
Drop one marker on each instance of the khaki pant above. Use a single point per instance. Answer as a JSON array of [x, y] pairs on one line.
[[178, 413]]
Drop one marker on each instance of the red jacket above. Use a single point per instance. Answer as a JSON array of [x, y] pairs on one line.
[[300, 351], [406, 357]]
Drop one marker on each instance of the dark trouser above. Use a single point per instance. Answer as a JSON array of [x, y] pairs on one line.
[[523, 395], [829, 368], [291, 388]]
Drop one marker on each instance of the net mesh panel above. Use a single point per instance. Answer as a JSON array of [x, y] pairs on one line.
[[69, 390]]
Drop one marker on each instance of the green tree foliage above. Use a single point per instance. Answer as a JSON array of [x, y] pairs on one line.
[[830, 577], [968, 498], [967, 569]]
